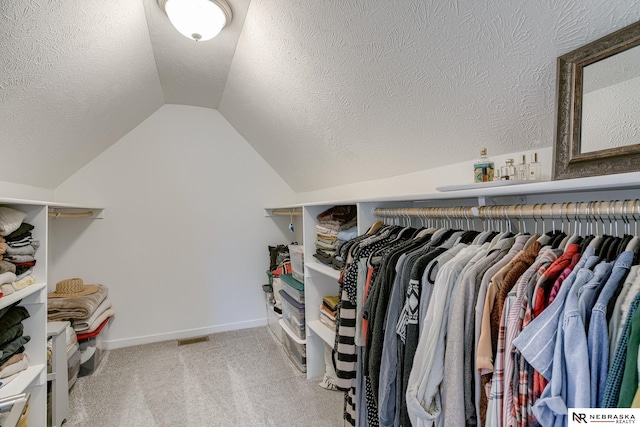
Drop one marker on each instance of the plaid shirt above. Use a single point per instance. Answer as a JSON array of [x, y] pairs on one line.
[[523, 377]]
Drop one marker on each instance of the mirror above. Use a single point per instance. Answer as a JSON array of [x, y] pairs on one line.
[[598, 98]]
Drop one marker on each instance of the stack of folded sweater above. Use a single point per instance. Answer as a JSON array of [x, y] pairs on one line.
[[13, 358], [330, 223], [17, 251], [328, 311], [85, 306]]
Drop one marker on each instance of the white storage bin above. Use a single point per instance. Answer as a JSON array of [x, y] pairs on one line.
[[273, 318], [293, 287], [296, 352], [293, 315], [296, 253]]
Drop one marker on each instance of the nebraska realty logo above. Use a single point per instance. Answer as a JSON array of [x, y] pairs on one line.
[[601, 416]]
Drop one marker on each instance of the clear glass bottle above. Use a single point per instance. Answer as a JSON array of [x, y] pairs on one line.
[[522, 169], [483, 169], [534, 169], [511, 170], [504, 171]]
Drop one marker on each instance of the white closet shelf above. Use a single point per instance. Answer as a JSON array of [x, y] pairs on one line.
[[24, 293], [24, 380], [326, 334], [323, 269], [593, 183]]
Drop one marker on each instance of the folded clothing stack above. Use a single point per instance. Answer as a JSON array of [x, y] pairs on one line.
[[85, 306], [17, 251], [13, 358], [331, 223], [328, 311]]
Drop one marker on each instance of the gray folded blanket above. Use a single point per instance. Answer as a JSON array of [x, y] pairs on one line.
[[75, 308], [10, 220]]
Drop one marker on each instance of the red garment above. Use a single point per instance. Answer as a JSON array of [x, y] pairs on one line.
[[365, 323], [551, 274]]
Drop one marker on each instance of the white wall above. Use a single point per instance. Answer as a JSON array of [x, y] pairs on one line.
[[21, 191], [183, 246]]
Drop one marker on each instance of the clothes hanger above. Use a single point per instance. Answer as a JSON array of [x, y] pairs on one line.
[[568, 235], [626, 227], [470, 234], [544, 239], [500, 213], [634, 244], [597, 240], [616, 244]]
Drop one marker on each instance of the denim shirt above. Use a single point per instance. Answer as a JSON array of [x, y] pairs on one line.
[[542, 343], [589, 292], [598, 337]]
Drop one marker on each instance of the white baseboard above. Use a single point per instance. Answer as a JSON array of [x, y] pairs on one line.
[[188, 333]]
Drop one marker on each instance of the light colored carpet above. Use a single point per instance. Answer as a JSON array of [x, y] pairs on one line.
[[238, 378]]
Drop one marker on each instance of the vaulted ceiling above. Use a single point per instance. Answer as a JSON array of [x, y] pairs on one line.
[[330, 92]]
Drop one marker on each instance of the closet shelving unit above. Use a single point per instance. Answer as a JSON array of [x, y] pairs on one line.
[[321, 280], [34, 298]]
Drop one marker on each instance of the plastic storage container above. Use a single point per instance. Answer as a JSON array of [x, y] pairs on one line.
[[293, 315], [297, 352], [296, 253], [273, 317], [92, 345], [294, 288]]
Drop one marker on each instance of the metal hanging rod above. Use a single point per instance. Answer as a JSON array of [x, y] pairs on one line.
[[287, 212], [593, 209], [86, 214]]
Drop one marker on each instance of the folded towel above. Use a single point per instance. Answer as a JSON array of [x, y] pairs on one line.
[[76, 308], [96, 323], [81, 325], [10, 220]]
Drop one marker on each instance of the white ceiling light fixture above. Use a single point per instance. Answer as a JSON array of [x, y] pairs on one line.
[[198, 20]]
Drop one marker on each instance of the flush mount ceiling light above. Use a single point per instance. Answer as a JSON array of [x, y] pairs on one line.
[[197, 19]]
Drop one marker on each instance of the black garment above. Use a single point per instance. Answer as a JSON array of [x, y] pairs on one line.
[[413, 330], [20, 233]]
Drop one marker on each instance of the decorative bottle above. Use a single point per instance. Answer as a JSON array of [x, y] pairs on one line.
[[483, 169], [534, 168], [522, 169]]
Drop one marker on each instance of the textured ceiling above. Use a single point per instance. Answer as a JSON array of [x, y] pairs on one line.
[[329, 92], [75, 76], [342, 91]]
